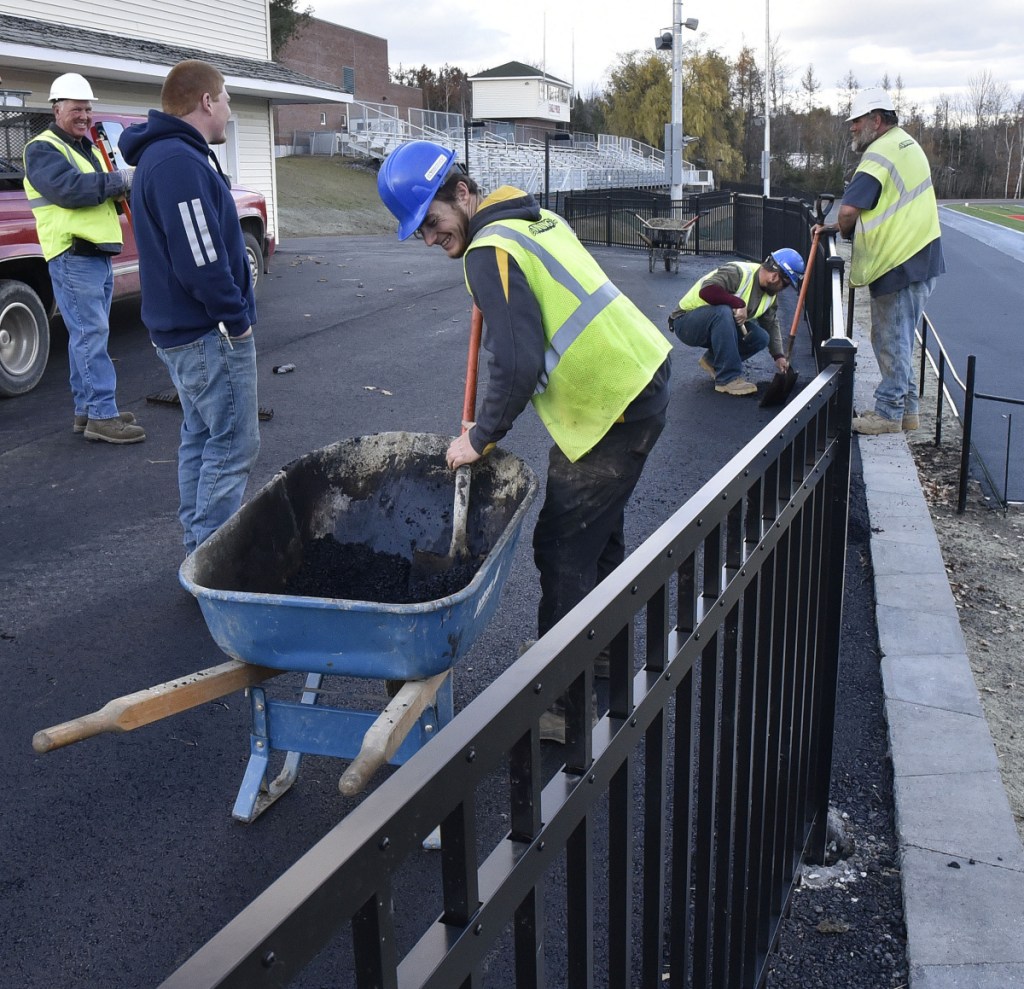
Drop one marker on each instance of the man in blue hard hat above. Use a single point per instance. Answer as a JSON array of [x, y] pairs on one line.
[[560, 336], [731, 314]]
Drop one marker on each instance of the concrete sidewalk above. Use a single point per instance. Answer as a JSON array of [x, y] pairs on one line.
[[961, 856]]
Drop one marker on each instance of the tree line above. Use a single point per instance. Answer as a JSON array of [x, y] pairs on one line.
[[973, 140]]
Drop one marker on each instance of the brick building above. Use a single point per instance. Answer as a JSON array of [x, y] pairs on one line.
[[353, 60]]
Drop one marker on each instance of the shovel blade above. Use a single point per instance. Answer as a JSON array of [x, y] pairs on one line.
[[780, 388]]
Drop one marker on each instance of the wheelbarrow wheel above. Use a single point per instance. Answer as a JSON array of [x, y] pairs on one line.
[[668, 262]]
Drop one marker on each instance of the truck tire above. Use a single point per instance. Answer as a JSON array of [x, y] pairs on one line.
[[24, 338], [254, 253]]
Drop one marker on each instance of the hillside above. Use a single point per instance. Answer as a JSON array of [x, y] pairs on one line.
[[321, 196]]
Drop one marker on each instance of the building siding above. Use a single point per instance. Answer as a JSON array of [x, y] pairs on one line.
[[504, 99], [238, 27], [250, 161]]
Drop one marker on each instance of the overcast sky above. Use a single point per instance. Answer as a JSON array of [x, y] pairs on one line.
[[935, 46]]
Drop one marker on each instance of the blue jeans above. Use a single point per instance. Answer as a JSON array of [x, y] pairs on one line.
[[579, 539], [894, 317], [220, 435], [83, 287], [713, 328]]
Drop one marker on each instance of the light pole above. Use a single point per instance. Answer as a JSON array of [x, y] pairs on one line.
[[766, 157], [674, 144]]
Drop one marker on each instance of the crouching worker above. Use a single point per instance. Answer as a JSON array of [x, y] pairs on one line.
[[731, 313], [559, 335]]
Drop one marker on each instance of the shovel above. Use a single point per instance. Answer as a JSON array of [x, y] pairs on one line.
[[781, 386], [425, 563]]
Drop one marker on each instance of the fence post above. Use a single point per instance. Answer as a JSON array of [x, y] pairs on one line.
[[965, 449], [924, 356], [837, 350]]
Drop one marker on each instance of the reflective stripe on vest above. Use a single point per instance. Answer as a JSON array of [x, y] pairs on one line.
[[57, 226], [591, 304], [601, 350], [883, 243], [692, 299]]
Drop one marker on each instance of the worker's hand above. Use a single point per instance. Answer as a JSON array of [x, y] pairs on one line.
[[782, 364], [821, 229], [461, 452], [740, 315], [127, 174]]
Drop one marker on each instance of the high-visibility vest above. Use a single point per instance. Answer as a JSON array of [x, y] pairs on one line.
[[57, 226], [906, 217], [692, 299], [601, 350]]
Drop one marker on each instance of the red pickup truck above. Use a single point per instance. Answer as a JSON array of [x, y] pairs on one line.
[[26, 296]]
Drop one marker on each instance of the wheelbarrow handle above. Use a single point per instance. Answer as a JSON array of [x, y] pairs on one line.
[[385, 736], [146, 706], [476, 327]]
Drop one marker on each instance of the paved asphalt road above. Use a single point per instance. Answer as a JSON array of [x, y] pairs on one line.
[[119, 855], [976, 308]]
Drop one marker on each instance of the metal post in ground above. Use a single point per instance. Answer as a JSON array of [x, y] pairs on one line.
[[965, 451]]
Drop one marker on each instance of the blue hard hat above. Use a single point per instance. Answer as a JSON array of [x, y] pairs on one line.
[[408, 180], [790, 264]]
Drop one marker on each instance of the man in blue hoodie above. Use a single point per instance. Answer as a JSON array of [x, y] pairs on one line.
[[197, 291]]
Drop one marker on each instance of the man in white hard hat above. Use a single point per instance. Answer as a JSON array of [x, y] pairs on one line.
[[890, 206], [74, 199]]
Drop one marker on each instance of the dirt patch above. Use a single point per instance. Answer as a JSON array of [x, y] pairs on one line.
[[983, 550]]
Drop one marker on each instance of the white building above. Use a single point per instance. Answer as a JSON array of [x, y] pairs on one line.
[[140, 40]]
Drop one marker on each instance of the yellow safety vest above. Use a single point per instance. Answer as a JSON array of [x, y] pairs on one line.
[[692, 299], [57, 226], [601, 350], [906, 217]]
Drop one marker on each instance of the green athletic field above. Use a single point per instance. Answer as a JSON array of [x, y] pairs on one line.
[[1007, 214]]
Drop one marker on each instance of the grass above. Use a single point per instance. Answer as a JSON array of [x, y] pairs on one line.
[[1006, 214], [335, 182]]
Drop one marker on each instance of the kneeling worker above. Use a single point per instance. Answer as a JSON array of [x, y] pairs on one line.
[[731, 313]]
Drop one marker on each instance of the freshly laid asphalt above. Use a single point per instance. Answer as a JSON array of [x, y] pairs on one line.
[[119, 855]]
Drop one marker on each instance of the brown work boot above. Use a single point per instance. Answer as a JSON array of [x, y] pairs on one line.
[[114, 430], [706, 366], [911, 421], [738, 386], [82, 421], [872, 424]]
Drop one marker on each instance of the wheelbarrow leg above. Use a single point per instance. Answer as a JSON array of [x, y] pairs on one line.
[[255, 795]]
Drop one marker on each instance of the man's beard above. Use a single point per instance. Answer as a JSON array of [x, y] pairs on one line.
[[867, 134]]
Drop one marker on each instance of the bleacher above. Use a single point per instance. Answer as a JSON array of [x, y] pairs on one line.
[[500, 154]]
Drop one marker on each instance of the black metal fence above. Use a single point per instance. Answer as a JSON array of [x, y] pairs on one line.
[[730, 223], [704, 782], [944, 371]]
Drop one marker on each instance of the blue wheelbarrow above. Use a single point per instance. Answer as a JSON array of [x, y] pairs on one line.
[[390, 493]]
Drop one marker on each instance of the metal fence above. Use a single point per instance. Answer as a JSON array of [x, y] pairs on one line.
[[705, 781]]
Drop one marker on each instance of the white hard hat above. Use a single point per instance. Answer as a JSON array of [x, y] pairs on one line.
[[867, 100], [71, 86]]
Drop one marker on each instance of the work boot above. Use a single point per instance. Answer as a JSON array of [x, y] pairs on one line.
[[114, 430], [911, 421], [82, 421], [872, 424], [552, 725], [738, 386], [706, 366]]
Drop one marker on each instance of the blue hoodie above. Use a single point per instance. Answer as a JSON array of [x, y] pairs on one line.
[[192, 262]]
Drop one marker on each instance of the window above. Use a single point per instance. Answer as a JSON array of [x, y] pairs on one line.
[[348, 79], [323, 118]]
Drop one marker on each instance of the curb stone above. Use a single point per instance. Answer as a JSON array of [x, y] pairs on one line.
[[961, 858]]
